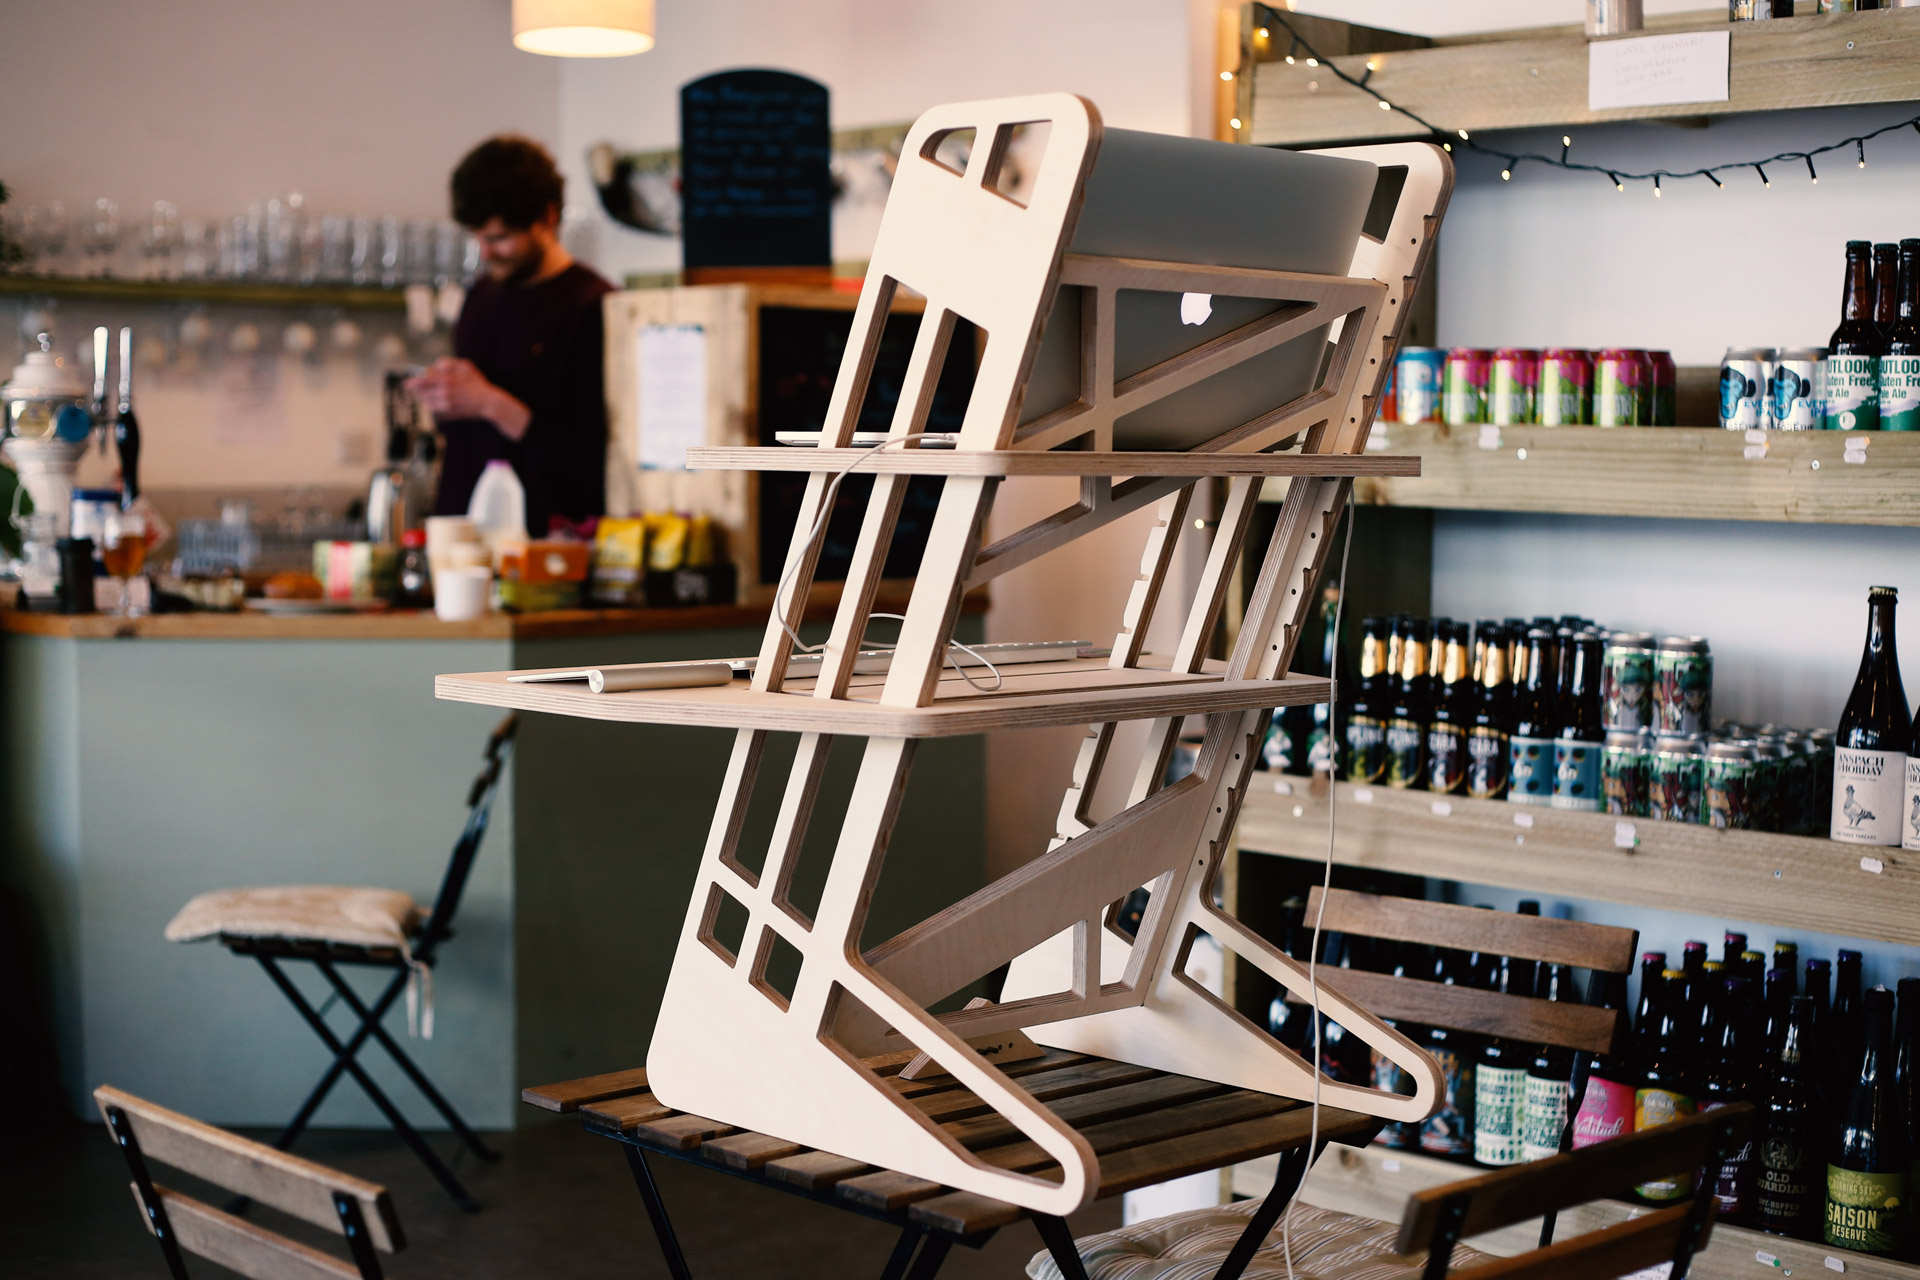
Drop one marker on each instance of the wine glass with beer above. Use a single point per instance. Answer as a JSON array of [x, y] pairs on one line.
[[123, 538]]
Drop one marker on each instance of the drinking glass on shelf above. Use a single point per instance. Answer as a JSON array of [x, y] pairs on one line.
[[46, 231], [392, 248], [336, 239], [160, 242], [418, 268], [101, 236], [362, 254], [199, 249], [123, 537]]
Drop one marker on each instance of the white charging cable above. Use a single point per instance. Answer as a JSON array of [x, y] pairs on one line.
[[820, 527], [1326, 886]]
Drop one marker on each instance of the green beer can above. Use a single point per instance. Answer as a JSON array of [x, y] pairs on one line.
[[1626, 772], [1678, 790], [1729, 774]]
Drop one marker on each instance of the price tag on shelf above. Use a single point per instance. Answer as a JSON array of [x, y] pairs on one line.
[[1855, 450], [1872, 866], [1523, 820], [1754, 452], [1281, 787], [1442, 808], [1363, 795], [1765, 1259], [1834, 1264], [1756, 437], [1389, 1166], [1489, 437], [1623, 836]]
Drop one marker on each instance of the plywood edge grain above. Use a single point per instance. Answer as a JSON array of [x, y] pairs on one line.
[[1045, 462]]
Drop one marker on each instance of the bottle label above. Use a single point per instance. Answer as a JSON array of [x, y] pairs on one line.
[[1576, 775], [1406, 755], [1733, 1185], [1499, 1114], [1910, 807], [1530, 771], [1900, 393], [1388, 1077], [1651, 1108], [1783, 1184], [1546, 1118], [1446, 758], [1864, 1210], [1366, 749], [1853, 393], [1868, 787], [1606, 1112], [1487, 750], [1449, 1131]]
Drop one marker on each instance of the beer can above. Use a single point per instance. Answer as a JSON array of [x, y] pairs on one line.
[[1512, 394], [1389, 410], [1772, 758], [1729, 774], [1417, 376], [1743, 388], [1818, 748], [1463, 389], [1565, 395], [1626, 680], [1576, 774], [1626, 772], [1620, 391], [1660, 364], [1795, 390], [1682, 685], [1677, 790]]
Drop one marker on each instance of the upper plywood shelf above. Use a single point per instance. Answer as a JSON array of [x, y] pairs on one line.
[[1032, 696], [1831, 60], [235, 293], [1702, 473]]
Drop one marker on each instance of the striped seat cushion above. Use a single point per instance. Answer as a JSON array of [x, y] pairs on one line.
[[1327, 1245]]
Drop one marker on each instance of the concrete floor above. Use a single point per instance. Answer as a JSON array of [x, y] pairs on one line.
[[561, 1204]]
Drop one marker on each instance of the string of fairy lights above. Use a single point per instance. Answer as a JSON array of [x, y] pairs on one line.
[[1301, 50]]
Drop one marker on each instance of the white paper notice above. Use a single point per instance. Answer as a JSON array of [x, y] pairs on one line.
[[1655, 71], [672, 360]]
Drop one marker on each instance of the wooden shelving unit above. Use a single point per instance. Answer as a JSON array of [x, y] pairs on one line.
[[1537, 79], [1701, 473], [233, 293], [1789, 881]]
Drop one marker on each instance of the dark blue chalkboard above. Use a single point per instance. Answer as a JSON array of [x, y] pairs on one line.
[[755, 189]]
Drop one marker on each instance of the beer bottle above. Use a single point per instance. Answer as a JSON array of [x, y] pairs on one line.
[[1906, 1070], [1668, 1084], [1412, 705], [1693, 956], [1786, 957], [1530, 755], [1582, 729], [1819, 1054], [1549, 1076], [1319, 757], [1500, 1094], [1778, 993], [1646, 1013], [1754, 965], [1453, 713], [1729, 1078], [1366, 744], [1401, 1135], [1396, 649], [1853, 353], [1867, 1176], [1732, 947], [1449, 1130], [1886, 291], [1845, 1035], [1603, 1083], [1786, 1197], [1870, 757], [1437, 628], [1488, 737], [1900, 366]]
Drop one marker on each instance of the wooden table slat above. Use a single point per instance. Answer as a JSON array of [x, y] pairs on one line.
[[1211, 1147], [1082, 1077], [570, 1095], [814, 1170], [984, 1132], [748, 1150], [623, 1115], [680, 1132], [965, 1212], [942, 1083]]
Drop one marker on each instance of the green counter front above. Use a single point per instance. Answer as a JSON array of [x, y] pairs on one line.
[[146, 763]]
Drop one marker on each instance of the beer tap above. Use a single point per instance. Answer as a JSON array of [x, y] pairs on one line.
[[103, 411]]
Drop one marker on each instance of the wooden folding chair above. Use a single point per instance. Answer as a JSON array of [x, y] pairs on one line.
[[356, 1209]]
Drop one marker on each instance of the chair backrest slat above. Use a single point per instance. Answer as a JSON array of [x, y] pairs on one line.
[[292, 1185], [1572, 942], [241, 1246], [1520, 1018], [1601, 1171], [453, 883], [1610, 1252]]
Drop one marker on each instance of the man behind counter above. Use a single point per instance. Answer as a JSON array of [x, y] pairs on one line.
[[525, 380]]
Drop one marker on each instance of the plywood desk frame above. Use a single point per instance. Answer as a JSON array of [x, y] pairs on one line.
[[730, 1045]]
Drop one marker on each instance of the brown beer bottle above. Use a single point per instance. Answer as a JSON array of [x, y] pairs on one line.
[[1412, 705], [1886, 290], [1870, 755], [1787, 1195], [1453, 708], [1853, 353], [1867, 1176]]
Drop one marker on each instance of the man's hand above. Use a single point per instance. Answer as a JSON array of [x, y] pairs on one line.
[[454, 388]]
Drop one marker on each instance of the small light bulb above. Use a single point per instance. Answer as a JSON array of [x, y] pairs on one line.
[[1619, 185], [1566, 140], [1263, 33], [1385, 105], [1463, 135], [1506, 175], [1234, 123], [1447, 145], [1313, 62], [1656, 192], [1226, 75], [1372, 65], [1289, 59]]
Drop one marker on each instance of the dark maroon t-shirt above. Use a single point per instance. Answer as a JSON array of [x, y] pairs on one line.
[[543, 345]]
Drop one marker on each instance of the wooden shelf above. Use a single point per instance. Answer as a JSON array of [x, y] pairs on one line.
[[1790, 881], [1033, 696], [1046, 462], [1777, 65], [1700, 473], [233, 293]]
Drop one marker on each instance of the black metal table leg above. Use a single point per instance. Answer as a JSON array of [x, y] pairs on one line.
[[408, 1134], [657, 1211], [932, 1254], [1059, 1241], [902, 1255], [1287, 1177]]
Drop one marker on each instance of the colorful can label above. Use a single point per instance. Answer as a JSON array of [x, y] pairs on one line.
[[1449, 1131], [1853, 393], [1546, 1118], [1366, 749], [1651, 1108], [1733, 1184], [1868, 787], [1463, 393], [1677, 791], [1447, 763], [1620, 391], [1487, 758], [1626, 774], [1683, 689], [1910, 808], [1406, 753], [1530, 770], [1499, 1114], [1743, 391], [1900, 393], [1565, 395], [1866, 1211], [1662, 381], [1793, 400], [1417, 379], [1730, 774], [1606, 1112], [1576, 775], [1626, 684], [1512, 394]]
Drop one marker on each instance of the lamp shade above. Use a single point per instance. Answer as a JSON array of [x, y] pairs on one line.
[[583, 28]]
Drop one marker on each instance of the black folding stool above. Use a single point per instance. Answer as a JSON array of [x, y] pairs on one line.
[[425, 945]]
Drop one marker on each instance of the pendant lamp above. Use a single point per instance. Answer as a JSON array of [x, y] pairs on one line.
[[583, 28]]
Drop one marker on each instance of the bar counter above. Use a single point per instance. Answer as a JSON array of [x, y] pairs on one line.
[[147, 761]]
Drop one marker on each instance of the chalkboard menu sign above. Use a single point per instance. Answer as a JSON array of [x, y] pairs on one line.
[[755, 190]]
